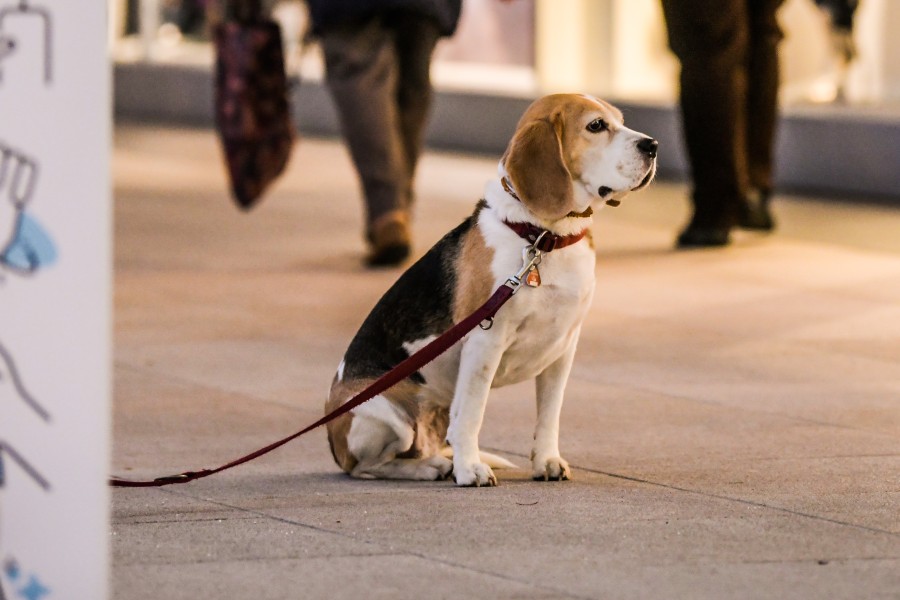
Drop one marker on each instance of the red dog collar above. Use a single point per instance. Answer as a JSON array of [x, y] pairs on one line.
[[532, 233], [550, 241]]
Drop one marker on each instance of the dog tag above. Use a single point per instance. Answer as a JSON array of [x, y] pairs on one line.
[[533, 279]]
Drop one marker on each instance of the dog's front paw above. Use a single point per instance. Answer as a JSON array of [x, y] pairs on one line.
[[474, 475], [551, 469]]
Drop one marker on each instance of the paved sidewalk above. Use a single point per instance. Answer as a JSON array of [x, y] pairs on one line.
[[733, 417]]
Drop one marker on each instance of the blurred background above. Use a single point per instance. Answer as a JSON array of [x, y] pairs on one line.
[[840, 90]]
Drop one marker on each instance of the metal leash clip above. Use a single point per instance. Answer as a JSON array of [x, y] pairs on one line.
[[531, 258]]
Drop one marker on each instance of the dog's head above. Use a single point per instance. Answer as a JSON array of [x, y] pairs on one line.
[[570, 150]]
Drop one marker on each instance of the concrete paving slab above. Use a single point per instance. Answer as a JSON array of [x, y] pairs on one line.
[[231, 536], [378, 577], [611, 535], [167, 426]]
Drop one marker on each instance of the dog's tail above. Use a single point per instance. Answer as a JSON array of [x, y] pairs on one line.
[[491, 460]]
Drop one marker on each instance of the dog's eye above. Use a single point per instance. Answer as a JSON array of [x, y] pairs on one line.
[[597, 125]]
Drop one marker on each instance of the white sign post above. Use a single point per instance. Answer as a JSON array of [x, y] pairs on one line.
[[55, 274]]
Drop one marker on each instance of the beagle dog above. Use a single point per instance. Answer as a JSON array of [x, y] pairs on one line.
[[568, 152]]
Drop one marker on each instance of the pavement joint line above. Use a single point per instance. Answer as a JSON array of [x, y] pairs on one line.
[[719, 497], [832, 457], [170, 521], [169, 377], [746, 502], [393, 551], [768, 413], [160, 563], [828, 560]]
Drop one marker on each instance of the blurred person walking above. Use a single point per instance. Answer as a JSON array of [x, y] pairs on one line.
[[728, 51], [377, 61], [841, 14]]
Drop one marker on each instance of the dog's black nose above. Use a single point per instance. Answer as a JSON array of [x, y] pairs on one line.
[[648, 146]]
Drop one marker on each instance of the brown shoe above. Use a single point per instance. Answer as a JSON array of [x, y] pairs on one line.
[[389, 240]]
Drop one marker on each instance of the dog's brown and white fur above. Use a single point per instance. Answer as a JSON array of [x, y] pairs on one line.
[[568, 152]]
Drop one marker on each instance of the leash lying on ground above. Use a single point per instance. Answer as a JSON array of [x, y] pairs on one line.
[[482, 316]]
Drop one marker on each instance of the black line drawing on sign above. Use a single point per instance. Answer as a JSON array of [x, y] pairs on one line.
[[9, 44], [10, 378], [9, 375], [7, 450], [24, 244]]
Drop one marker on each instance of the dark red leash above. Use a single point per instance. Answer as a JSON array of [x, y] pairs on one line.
[[403, 370]]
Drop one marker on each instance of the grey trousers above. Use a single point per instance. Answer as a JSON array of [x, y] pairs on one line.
[[378, 75]]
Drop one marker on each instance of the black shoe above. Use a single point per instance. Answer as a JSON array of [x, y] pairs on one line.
[[754, 213], [696, 236]]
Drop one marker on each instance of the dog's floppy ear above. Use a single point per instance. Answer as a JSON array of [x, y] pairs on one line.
[[537, 170]]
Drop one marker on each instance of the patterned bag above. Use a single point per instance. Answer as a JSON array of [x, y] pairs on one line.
[[251, 102]]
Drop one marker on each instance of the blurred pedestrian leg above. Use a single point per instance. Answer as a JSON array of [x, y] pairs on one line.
[[377, 64], [728, 51]]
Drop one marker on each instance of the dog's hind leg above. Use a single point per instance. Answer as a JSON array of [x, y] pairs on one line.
[[382, 442]]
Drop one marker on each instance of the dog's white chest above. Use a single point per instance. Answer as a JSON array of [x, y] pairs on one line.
[[539, 324]]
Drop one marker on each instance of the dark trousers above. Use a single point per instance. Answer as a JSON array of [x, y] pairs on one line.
[[378, 74], [729, 92]]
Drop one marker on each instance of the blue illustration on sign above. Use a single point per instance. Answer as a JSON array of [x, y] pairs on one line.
[[30, 248], [25, 246], [28, 588]]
